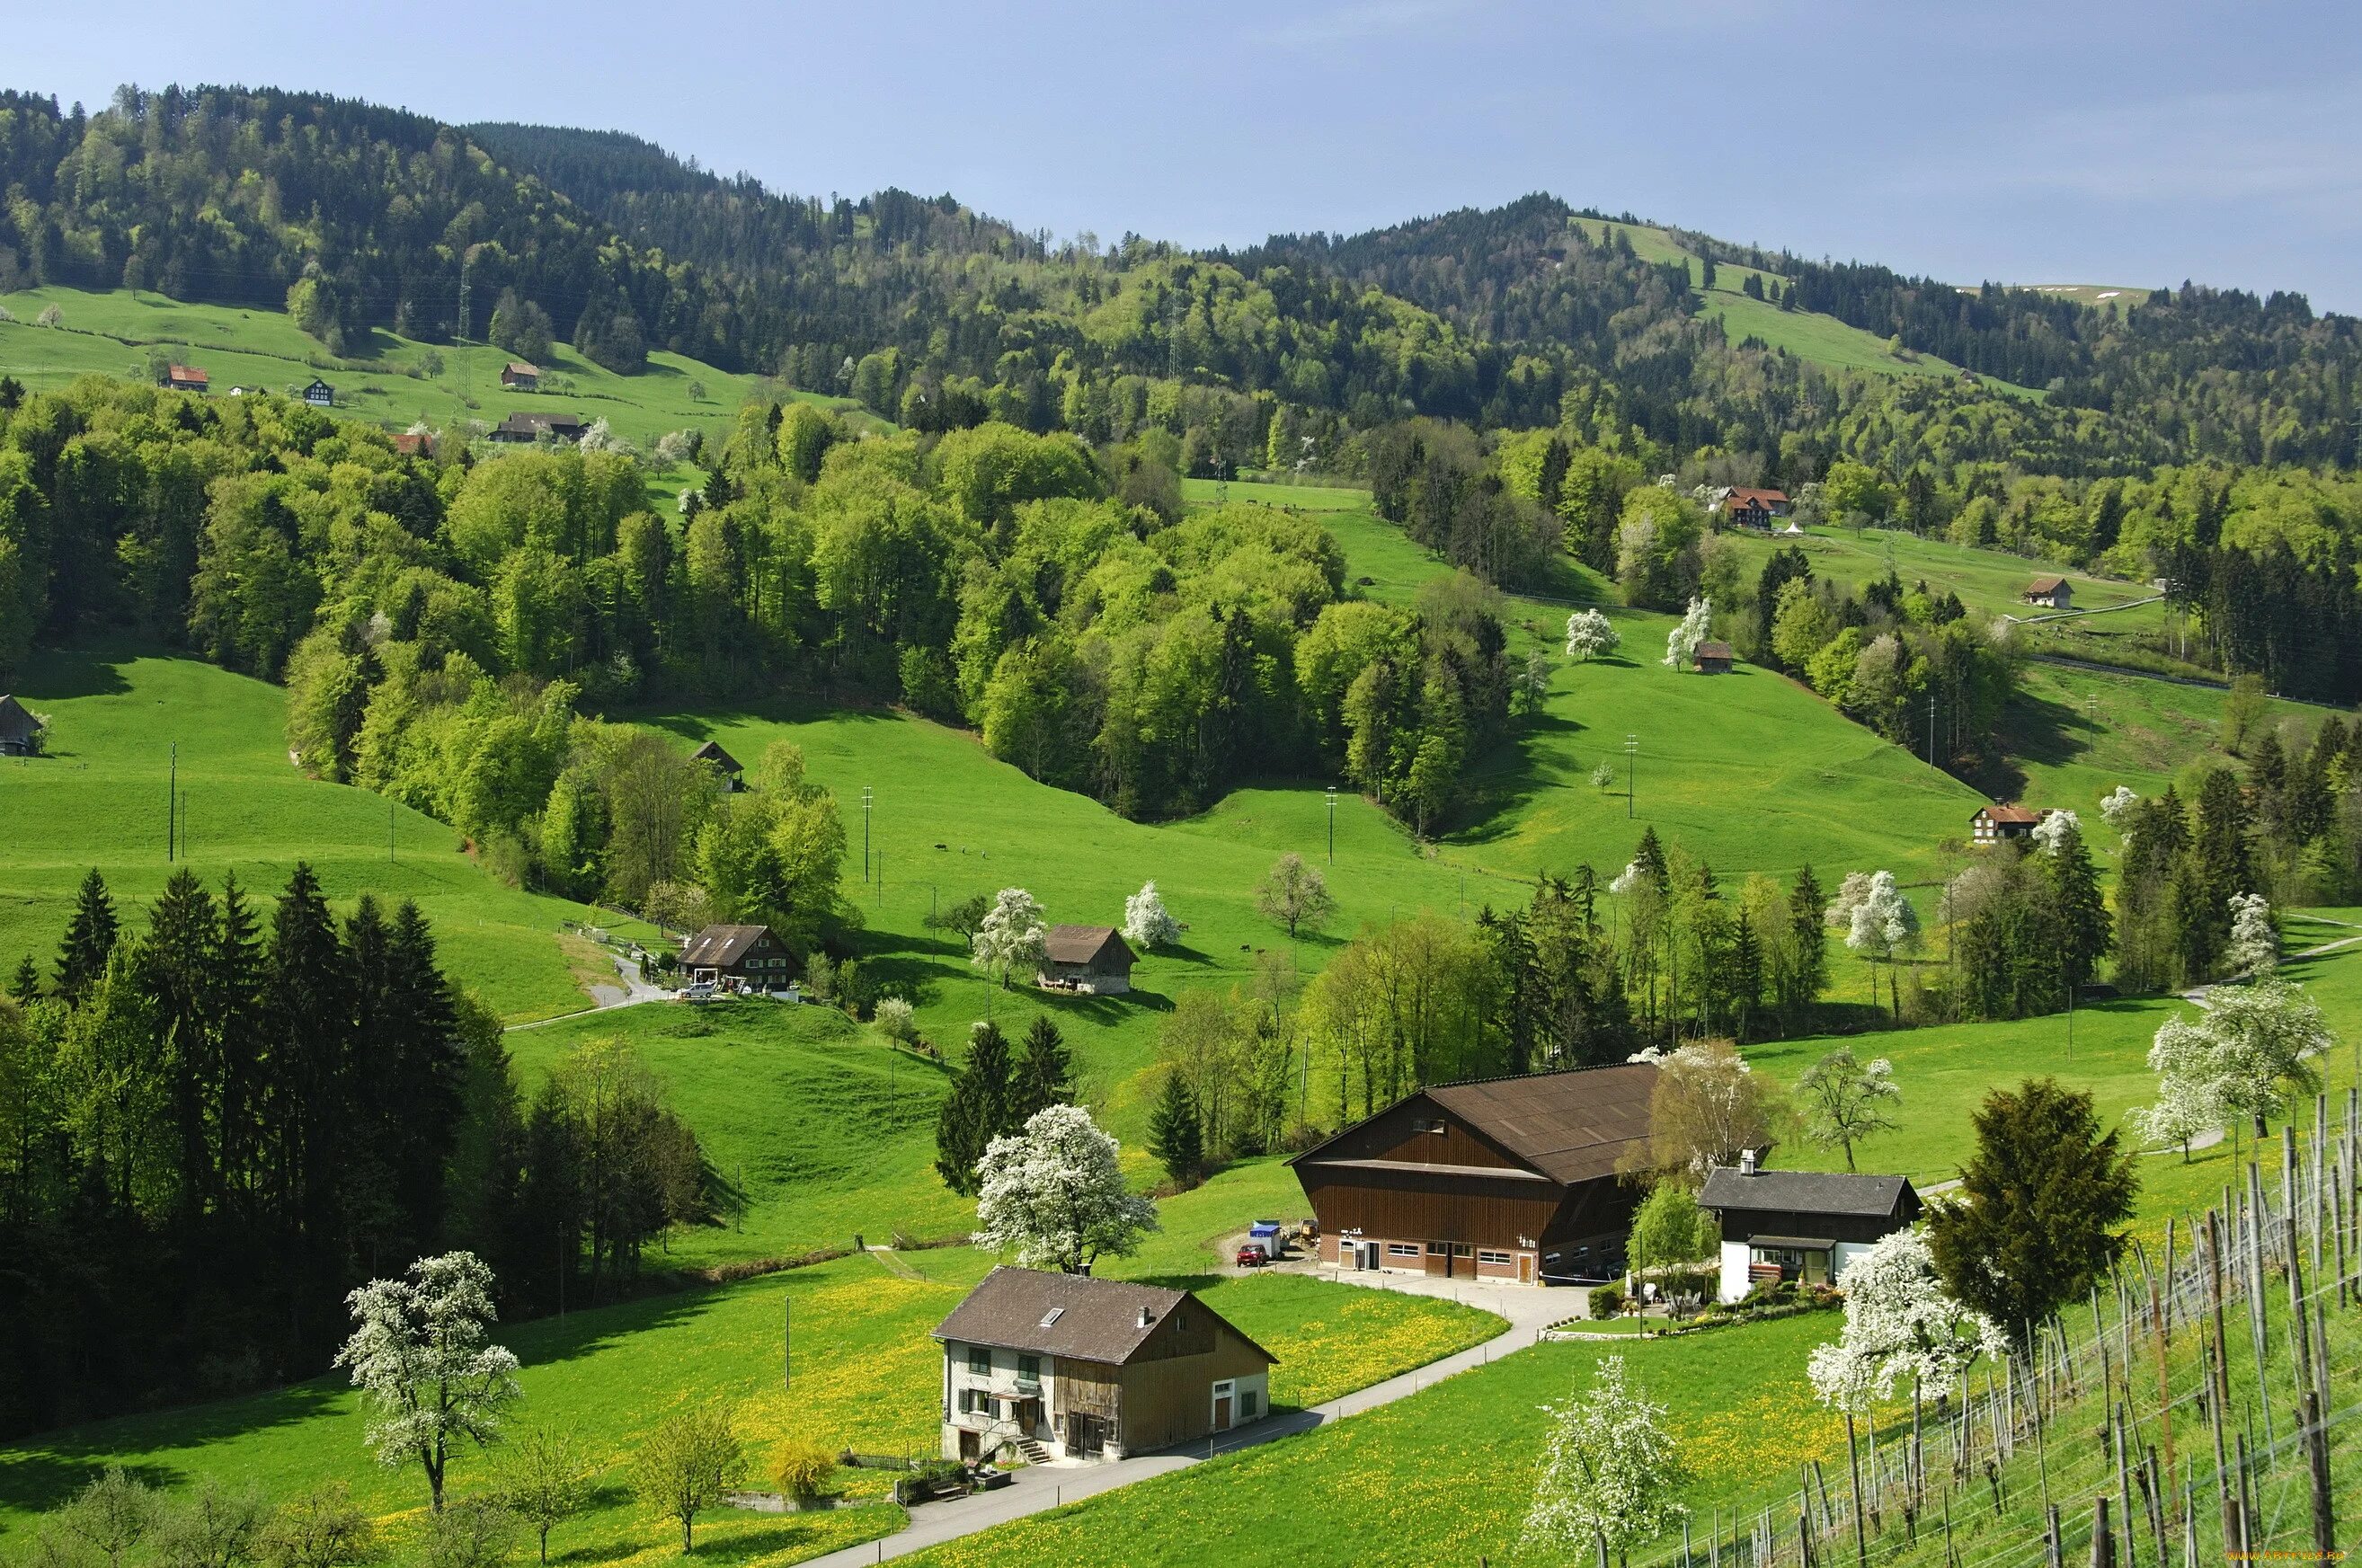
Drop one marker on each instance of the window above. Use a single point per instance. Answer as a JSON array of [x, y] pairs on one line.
[[1426, 1124], [1439, 1249], [1494, 1260], [979, 1362], [1247, 1403], [1052, 1316], [1029, 1367], [1402, 1249]]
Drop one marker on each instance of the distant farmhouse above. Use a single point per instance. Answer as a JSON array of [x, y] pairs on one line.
[[1742, 506], [1806, 1227], [320, 394], [186, 378], [744, 956], [2051, 593], [414, 444], [1711, 659], [1513, 1180], [1991, 824], [518, 376], [1063, 1365], [20, 732], [733, 776], [523, 428], [1092, 959]]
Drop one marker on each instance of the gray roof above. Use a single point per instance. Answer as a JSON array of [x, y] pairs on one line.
[[712, 752], [1097, 945], [1094, 1319], [1571, 1126], [14, 722], [720, 946], [1804, 1192]]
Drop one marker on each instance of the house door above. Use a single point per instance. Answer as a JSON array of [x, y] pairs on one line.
[[1029, 1418], [968, 1448], [1525, 1268], [1086, 1435], [1223, 1395]]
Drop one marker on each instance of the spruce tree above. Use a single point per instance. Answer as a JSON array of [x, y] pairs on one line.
[[1175, 1135], [90, 938], [2087, 933], [1808, 943], [236, 987], [1746, 976], [307, 1032], [1045, 1074], [1649, 855], [980, 1108], [25, 986], [176, 964]]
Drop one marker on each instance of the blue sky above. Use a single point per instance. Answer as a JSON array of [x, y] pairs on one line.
[[2110, 143]]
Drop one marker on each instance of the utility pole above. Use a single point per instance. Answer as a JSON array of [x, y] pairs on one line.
[[389, 833], [1631, 771], [865, 832], [173, 807], [466, 255], [1931, 729], [1332, 824]]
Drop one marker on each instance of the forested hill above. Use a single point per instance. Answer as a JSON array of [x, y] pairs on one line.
[[358, 216]]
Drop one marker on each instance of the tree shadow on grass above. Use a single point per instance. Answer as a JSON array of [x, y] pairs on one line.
[[57, 675], [2032, 730], [1514, 773]]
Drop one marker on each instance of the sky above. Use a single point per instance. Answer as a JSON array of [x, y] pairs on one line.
[[2101, 143]]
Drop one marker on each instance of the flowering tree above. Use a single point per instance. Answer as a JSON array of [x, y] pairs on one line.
[[1146, 921], [1611, 1474], [2117, 808], [1628, 878], [1012, 932], [1591, 634], [2190, 1100], [419, 1355], [2255, 949], [1845, 1100], [1900, 1326], [2240, 1058], [1883, 923], [1706, 1108], [1683, 640], [1055, 1194], [2053, 827]]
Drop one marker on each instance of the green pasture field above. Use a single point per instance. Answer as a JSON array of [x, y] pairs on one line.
[[100, 799], [111, 333], [1275, 492], [1990, 582]]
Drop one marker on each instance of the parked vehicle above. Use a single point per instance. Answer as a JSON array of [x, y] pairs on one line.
[[1265, 1232]]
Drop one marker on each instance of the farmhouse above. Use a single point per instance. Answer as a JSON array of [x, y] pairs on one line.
[[1994, 823], [1511, 1180], [1711, 659], [320, 394], [1092, 959], [20, 732], [185, 378], [1806, 1226], [744, 956], [1067, 1366], [414, 444], [2051, 593], [1742, 506], [525, 427], [733, 776], [518, 376]]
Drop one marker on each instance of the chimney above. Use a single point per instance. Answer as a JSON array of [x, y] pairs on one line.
[[1146, 1317], [1746, 1162]]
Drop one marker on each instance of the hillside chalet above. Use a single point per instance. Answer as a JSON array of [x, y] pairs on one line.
[[1711, 659], [1742, 506], [1994, 823], [738, 957], [1806, 1226], [519, 428], [2051, 593], [320, 394], [1092, 959], [186, 378], [1512, 1179], [1067, 1366], [518, 376], [733, 776], [20, 732]]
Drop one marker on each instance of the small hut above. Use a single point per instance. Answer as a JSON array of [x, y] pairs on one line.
[[733, 776]]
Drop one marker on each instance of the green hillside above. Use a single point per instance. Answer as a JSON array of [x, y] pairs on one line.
[[394, 382], [99, 799]]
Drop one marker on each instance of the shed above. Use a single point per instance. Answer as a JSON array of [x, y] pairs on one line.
[[518, 376], [320, 394], [1711, 659], [20, 732], [2051, 593], [1806, 1226], [1514, 1179], [525, 427], [414, 444], [1092, 959], [186, 378], [732, 775], [1067, 1366], [747, 957]]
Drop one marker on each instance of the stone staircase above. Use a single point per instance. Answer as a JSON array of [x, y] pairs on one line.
[[1034, 1451]]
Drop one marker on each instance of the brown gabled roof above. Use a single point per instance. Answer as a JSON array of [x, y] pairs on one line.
[[1705, 651], [712, 752], [519, 368], [1069, 1314], [1088, 945], [2012, 814], [2046, 585], [184, 373], [1746, 494], [541, 424], [720, 946], [1571, 1126], [413, 443], [15, 723]]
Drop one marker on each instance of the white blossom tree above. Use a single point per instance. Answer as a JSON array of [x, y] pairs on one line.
[[419, 1353], [1055, 1196], [2243, 1057], [2255, 949], [1146, 921], [1683, 640], [2190, 1100], [2052, 828], [2117, 810], [1011, 934], [1627, 879], [1850, 893], [1591, 634], [1611, 1474], [1901, 1327], [1883, 923]]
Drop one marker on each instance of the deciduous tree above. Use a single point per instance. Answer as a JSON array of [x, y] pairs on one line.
[[422, 1355], [1056, 1196]]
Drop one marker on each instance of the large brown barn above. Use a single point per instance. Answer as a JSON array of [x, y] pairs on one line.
[[1513, 1180]]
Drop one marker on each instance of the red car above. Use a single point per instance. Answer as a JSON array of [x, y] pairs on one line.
[[1253, 1257]]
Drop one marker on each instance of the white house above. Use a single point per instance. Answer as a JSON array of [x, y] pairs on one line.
[[1806, 1226]]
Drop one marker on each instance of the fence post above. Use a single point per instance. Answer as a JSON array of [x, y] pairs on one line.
[[2103, 1544], [2053, 1553], [2316, 1448]]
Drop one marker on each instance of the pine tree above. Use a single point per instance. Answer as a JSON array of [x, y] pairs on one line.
[[235, 989], [1809, 944], [308, 1010], [1175, 1135], [1746, 976], [90, 938], [176, 965], [1045, 1074], [25, 986], [2087, 933], [1649, 855], [979, 1109]]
